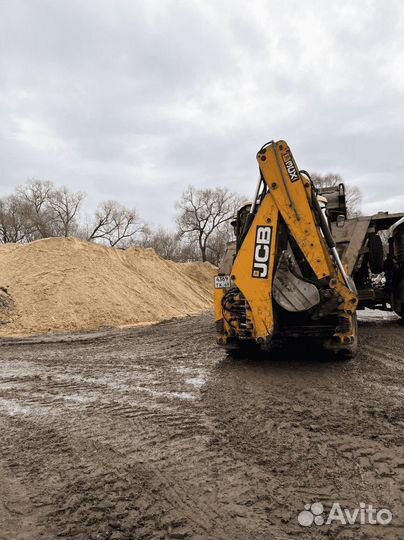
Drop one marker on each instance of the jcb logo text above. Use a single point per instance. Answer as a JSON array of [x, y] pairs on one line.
[[262, 250]]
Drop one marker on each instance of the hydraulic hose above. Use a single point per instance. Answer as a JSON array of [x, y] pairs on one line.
[[327, 234]]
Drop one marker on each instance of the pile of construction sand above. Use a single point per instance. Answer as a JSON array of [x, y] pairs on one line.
[[66, 284]]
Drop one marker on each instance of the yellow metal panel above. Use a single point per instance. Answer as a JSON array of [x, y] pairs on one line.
[[288, 190], [258, 290]]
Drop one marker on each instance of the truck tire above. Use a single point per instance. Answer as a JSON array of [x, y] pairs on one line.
[[399, 310], [376, 253]]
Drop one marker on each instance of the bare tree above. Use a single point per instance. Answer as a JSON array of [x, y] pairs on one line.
[[65, 206], [353, 193], [353, 201], [189, 252], [168, 244], [204, 214], [51, 211], [15, 224], [218, 243], [35, 194], [40, 209], [115, 224]]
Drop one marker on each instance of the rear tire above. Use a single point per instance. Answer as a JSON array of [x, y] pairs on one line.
[[401, 315], [376, 253], [243, 349]]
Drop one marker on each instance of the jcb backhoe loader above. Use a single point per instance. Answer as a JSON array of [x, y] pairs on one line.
[[284, 278]]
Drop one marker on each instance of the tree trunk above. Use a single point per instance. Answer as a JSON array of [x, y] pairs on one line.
[[202, 246]]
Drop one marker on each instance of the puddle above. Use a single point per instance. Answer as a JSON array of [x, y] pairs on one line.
[[196, 381], [196, 377], [166, 393], [13, 408], [77, 398]]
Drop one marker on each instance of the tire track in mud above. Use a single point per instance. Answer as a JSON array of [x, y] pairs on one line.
[[155, 433], [322, 429]]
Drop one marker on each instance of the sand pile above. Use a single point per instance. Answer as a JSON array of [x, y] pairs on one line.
[[63, 284]]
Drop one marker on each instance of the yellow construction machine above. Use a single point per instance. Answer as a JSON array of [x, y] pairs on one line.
[[282, 278]]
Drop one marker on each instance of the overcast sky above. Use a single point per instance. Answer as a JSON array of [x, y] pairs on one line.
[[135, 100]]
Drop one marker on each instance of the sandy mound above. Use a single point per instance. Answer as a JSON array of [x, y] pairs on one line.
[[63, 284]]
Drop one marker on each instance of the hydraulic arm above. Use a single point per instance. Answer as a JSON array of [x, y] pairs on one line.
[[286, 278]]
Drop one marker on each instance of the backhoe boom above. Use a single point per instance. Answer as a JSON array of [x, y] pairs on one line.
[[286, 271]]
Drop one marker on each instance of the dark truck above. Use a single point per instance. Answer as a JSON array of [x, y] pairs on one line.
[[372, 251]]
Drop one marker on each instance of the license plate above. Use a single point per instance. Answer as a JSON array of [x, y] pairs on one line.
[[222, 282]]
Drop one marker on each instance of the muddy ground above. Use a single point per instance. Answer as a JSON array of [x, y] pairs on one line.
[[155, 433]]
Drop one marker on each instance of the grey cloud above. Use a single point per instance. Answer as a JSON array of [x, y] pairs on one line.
[[136, 100]]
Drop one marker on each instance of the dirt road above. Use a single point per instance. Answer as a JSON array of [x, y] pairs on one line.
[[155, 433]]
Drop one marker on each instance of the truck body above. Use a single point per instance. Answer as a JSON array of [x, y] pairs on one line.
[[371, 249], [376, 266]]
